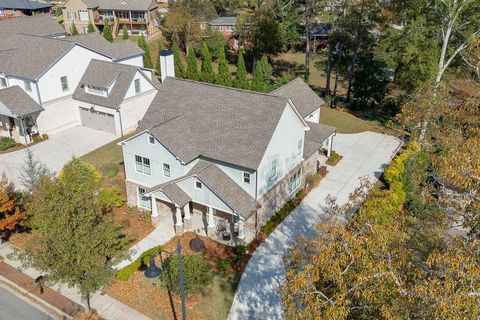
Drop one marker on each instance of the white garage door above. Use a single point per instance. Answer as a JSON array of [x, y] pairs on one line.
[[97, 120]]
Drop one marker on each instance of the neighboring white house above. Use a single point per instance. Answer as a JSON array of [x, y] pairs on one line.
[[231, 157], [50, 69]]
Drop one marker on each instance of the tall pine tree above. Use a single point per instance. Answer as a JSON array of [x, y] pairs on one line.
[[107, 32], [241, 80], [147, 58], [207, 74], [223, 77], [125, 35], [192, 70], [177, 59], [73, 29], [261, 76], [91, 27]]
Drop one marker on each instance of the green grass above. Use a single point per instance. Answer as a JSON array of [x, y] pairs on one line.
[[217, 298], [348, 123], [108, 153]]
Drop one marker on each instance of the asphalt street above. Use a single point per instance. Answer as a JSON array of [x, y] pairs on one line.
[[14, 308]]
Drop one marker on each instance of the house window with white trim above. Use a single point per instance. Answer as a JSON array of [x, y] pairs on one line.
[[198, 185], [71, 15], [299, 146], [83, 14], [166, 170], [273, 168], [64, 83], [138, 88], [246, 177], [294, 181], [143, 200], [28, 86], [3, 83], [142, 165], [151, 140]]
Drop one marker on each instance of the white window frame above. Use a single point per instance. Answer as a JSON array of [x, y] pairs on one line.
[[72, 15], [299, 146], [62, 83], [137, 85], [27, 85], [273, 168], [143, 165], [142, 198], [295, 181], [87, 18], [166, 170], [151, 140], [198, 185], [247, 177]]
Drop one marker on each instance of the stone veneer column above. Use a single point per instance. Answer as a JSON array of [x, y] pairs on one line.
[[187, 221], [178, 223]]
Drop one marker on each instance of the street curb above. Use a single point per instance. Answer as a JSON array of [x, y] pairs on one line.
[[32, 299]]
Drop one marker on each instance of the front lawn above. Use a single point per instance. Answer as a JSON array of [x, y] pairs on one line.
[[151, 297]]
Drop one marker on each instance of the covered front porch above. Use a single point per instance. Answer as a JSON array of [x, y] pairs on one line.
[[18, 115], [224, 227]]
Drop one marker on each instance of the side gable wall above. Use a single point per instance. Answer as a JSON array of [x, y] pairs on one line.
[[282, 147]]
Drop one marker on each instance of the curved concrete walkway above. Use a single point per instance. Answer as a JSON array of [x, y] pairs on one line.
[[364, 154]]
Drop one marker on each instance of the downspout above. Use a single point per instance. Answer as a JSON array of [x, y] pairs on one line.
[[256, 196], [120, 118]]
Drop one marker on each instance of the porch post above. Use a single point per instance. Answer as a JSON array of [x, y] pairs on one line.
[[210, 220], [154, 207], [179, 222], [241, 229], [330, 145], [187, 217]]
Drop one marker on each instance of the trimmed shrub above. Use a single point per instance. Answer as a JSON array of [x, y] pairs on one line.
[[142, 261], [111, 197], [224, 265], [240, 250], [6, 142], [44, 136], [109, 169], [334, 158], [36, 139], [196, 272]]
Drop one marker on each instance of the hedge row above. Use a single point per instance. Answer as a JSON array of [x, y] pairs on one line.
[[142, 261]]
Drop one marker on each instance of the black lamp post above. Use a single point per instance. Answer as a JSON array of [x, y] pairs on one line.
[[154, 272]]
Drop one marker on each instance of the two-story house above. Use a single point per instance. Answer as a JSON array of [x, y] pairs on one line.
[[75, 81], [138, 16], [220, 156]]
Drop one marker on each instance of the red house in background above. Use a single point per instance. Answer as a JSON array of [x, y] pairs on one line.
[[225, 25]]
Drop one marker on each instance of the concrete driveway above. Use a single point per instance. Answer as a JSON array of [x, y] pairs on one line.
[[56, 151], [364, 154]]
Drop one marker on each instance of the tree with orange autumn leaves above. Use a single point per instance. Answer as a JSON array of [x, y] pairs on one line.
[[10, 213]]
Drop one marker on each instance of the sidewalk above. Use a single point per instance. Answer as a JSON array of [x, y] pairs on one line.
[[107, 307]]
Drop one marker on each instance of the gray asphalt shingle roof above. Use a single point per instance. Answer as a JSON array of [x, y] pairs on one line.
[[17, 102], [116, 50], [302, 96], [217, 181], [39, 25], [101, 74], [24, 4], [195, 119], [315, 137], [140, 5], [223, 21]]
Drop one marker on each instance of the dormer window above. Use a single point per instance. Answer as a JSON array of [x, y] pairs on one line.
[[96, 90]]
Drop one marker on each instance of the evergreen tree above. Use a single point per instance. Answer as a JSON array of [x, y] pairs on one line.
[[125, 35], [107, 32], [91, 27], [147, 58], [192, 70], [73, 29], [241, 80], [223, 77], [32, 172], [177, 59], [261, 76], [207, 74]]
